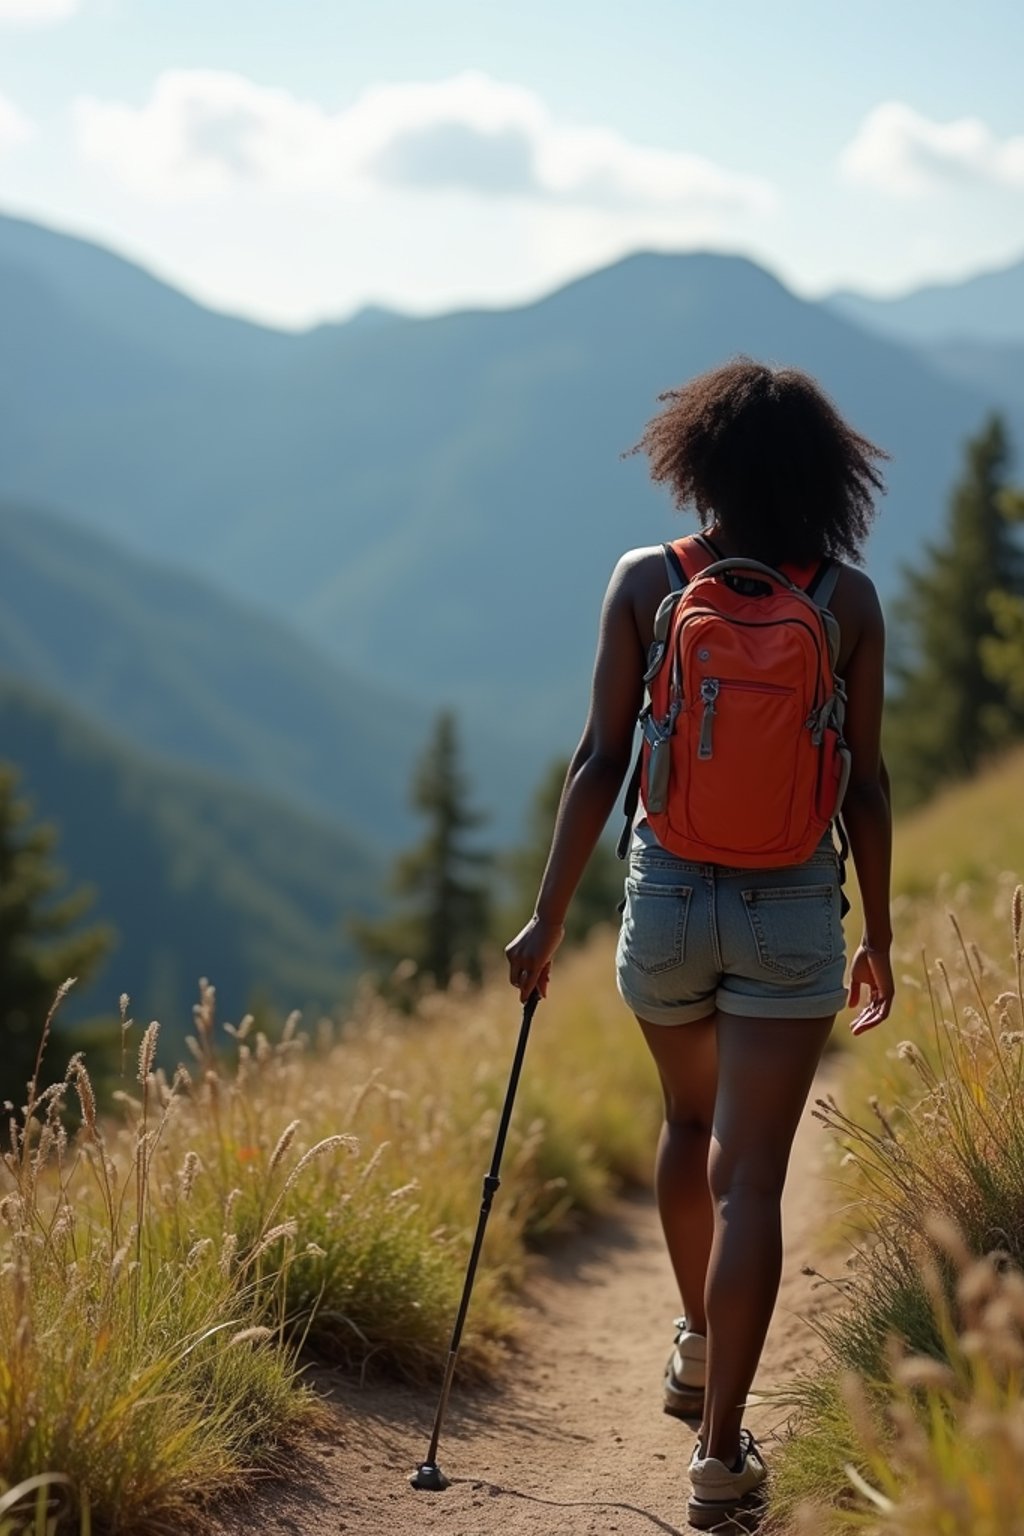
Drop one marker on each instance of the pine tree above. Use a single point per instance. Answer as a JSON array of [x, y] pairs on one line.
[[600, 888], [1003, 652], [37, 951], [439, 882], [951, 708]]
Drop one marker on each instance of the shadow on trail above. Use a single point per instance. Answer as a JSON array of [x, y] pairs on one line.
[[402, 1417], [496, 1490], [378, 1408]]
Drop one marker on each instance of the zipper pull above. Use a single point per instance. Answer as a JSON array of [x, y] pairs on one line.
[[709, 693]]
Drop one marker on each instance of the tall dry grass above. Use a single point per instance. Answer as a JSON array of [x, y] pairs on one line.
[[159, 1272], [943, 1452], [931, 1136], [142, 1366]]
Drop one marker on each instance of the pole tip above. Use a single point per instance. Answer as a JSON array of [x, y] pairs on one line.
[[428, 1478]]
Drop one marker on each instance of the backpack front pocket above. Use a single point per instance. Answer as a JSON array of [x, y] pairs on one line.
[[740, 771]]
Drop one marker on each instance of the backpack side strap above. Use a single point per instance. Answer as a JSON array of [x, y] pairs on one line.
[[630, 803]]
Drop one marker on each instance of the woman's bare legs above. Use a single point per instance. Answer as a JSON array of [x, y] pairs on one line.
[[765, 1071], [686, 1058]]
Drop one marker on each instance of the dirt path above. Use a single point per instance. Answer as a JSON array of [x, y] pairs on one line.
[[574, 1443]]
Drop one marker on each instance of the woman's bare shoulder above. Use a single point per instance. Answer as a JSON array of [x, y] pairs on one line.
[[858, 593], [637, 568]]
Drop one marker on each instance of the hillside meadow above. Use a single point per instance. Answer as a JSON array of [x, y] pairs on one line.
[[162, 1271], [915, 1423], [166, 1273]]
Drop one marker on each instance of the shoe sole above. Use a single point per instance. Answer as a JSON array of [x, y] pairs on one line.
[[739, 1515], [682, 1402]]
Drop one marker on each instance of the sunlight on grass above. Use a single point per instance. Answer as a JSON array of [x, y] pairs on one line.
[[159, 1272], [914, 1423]]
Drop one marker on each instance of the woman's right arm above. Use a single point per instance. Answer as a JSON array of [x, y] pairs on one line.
[[866, 813]]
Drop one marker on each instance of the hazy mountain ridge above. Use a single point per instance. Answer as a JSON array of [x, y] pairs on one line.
[[440, 501], [128, 301], [171, 665], [198, 876], [995, 369], [988, 307]]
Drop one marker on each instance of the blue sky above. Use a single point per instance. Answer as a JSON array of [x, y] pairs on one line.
[[293, 160]]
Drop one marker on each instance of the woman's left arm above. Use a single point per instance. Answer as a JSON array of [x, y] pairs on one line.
[[595, 776]]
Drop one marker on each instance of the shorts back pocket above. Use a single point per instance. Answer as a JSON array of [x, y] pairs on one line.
[[795, 928], [653, 936]]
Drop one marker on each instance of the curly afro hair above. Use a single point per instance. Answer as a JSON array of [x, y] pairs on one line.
[[764, 453]]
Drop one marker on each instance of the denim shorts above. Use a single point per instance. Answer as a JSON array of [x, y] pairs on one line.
[[765, 943]]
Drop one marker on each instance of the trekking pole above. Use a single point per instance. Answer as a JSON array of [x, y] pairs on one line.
[[428, 1475]]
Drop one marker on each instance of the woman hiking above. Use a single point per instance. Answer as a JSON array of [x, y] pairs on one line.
[[734, 965]]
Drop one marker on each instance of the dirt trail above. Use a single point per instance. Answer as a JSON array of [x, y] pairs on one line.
[[574, 1443]]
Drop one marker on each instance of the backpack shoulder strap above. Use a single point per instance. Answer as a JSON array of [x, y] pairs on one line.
[[709, 546], [823, 583], [676, 571], [686, 558], [820, 590]]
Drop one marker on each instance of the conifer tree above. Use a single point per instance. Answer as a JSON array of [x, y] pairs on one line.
[[1003, 652], [37, 950], [600, 888], [440, 881], [951, 708]]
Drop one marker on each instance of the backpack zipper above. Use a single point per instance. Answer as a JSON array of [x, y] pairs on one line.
[[710, 689], [709, 693], [760, 624]]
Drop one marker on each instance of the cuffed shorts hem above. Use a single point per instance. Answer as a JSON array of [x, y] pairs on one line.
[[669, 1013], [748, 1006], [740, 1004]]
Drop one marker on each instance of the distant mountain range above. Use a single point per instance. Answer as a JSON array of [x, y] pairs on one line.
[[995, 369], [241, 568], [436, 502], [173, 667], [199, 876], [986, 308]]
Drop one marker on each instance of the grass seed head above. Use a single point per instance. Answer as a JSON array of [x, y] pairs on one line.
[[256, 1335], [147, 1051], [84, 1092], [284, 1231], [284, 1141], [947, 1236], [925, 1372], [187, 1173], [228, 1250]]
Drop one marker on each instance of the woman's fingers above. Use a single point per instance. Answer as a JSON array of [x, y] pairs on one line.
[[870, 969], [529, 957]]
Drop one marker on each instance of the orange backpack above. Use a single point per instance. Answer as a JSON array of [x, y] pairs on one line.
[[742, 760]]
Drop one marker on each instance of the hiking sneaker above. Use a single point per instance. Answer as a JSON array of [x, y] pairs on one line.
[[723, 1496], [685, 1373]]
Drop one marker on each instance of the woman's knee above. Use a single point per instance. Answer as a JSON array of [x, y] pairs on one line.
[[762, 1177], [687, 1120]]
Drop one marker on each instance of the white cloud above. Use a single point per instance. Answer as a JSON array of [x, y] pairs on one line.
[[206, 131], [898, 151], [36, 13], [14, 125]]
